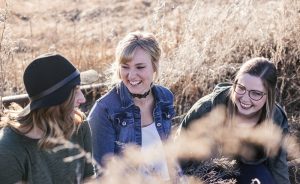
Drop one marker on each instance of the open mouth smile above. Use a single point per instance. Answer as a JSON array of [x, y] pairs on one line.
[[245, 106], [135, 83]]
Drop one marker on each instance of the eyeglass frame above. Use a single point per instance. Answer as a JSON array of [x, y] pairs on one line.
[[249, 91]]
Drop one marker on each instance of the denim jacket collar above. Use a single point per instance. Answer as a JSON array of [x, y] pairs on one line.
[[127, 100]]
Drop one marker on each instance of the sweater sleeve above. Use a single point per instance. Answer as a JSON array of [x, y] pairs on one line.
[[198, 110], [279, 168], [87, 146], [10, 168], [278, 165], [201, 108]]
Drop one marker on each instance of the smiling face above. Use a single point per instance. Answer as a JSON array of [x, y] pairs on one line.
[[137, 74], [246, 106]]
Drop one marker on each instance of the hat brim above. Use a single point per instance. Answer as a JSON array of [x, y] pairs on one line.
[[55, 98], [25, 111]]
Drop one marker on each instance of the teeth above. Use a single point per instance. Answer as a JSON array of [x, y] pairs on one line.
[[245, 105], [134, 83]]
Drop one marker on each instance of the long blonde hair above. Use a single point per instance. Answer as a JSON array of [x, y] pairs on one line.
[[56, 122]]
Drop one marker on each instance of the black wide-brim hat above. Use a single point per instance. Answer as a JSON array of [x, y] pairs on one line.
[[49, 80]]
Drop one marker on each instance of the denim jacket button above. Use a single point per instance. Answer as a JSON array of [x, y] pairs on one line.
[[168, 116], [124, 123], [158, 124]]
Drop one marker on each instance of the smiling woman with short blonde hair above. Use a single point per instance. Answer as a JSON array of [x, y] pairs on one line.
[[136, 111]]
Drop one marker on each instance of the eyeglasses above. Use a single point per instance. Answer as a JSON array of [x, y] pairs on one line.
[[253, 94]]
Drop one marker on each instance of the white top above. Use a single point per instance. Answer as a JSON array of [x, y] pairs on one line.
[[152, 143]]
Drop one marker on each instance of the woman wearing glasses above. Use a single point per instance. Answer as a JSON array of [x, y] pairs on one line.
[[249, 101]]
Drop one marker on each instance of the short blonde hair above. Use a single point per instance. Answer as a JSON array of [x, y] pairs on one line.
[[128, 45]]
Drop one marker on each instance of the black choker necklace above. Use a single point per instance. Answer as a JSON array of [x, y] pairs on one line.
[[140, 95]]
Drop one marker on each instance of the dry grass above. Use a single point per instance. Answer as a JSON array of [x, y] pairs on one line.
[[203, 145], [203, 41]]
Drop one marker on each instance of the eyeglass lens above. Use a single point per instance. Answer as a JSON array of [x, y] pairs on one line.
[[253, 94]]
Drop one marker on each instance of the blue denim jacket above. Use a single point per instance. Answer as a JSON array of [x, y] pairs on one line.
[[116, 121]]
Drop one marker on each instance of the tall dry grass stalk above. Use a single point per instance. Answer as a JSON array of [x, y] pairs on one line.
[[210, 140], [218, 36], [204, 43], [1, 60], [207, 140]]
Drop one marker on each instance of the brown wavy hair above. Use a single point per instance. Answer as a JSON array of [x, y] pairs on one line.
[[56, 122]]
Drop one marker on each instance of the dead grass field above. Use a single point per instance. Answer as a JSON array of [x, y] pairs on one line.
[[203, 41]]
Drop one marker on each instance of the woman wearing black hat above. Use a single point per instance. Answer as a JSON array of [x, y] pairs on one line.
[[31, 148]]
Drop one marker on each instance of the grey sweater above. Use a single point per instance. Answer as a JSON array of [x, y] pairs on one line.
[[22, 160]]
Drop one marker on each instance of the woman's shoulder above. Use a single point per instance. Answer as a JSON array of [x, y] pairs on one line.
[[11, 141], [83, 130], [280, 117], [206, 103], [279, 110], [112, 96], [84, 127], [218, 96], [12, 155], [163, 91], [7, 135], [110, 93]]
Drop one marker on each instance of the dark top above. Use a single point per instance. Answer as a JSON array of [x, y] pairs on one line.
[[277, 165], [22, 160]]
